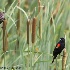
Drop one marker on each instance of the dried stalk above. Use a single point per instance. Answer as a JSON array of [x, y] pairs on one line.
[[28, 27], [33, 29], [64, 58]]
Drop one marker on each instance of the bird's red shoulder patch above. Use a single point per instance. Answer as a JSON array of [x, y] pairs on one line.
[[58, 45]]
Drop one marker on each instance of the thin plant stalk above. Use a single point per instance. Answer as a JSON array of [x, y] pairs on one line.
[[40, 28], [40, 21], [18, 26]]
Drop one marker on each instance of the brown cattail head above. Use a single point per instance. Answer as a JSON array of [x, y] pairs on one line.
[[64, 58], [33, 29], [5, 41], [28, 23]]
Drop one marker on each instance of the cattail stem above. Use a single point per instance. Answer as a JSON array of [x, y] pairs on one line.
[[64, 58], [33, 29], [40, 28], [5, 42]]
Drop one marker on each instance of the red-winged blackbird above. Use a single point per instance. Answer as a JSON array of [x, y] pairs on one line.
[[58, 49]]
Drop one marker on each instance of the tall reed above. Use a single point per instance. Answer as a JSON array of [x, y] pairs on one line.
[[40, 20]]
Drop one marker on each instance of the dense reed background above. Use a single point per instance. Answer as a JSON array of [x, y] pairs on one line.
[[33, 28]]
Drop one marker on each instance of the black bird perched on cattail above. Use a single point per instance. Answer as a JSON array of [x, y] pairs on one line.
[[2, 17], [58, 49]]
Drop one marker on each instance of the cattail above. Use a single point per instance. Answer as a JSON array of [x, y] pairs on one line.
[[5, 41], [33, 29], [64, 58], [28, 24]]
